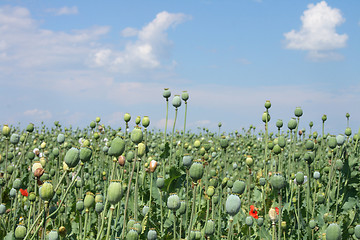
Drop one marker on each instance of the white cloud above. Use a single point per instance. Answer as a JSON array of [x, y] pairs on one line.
[[151, 47], [38, 114], [64, 10], [318, 32]]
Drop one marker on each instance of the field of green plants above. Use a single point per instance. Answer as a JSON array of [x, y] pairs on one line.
[[105, 183]]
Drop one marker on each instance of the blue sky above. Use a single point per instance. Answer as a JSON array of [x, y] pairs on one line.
[[75, 60]]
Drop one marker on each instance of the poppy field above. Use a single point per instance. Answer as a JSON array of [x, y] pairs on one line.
[[103, 183]]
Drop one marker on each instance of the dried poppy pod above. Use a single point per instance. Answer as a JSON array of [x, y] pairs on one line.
[[39, 172], [153, 165], [273, 215], [121, 160]]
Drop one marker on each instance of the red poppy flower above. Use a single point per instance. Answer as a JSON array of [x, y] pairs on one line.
[[24, 192], [277, 210], [253, 212]]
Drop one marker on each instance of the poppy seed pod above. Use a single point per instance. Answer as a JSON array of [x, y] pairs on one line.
[[298, 112], [182, 208], [348, 132], [115, 192], [30, 128], [333, 232], [136, 135], [316, 175], [266, 117], [357, 231], [153, 165], [300, 177], [6, 130], [238, 187], [233, 204], [121, 160], [277, 181], [127, 117], [17, 184], [2, 209], [277, 149], [85, 154], [47, 191], [184, 96], [249, 220], [137, 120], [324, 118], [187, 160], [160, 182], [99, 207], [173, 202], [176, 102], [196, 171], [53, 235], [267, 104], [145, 121], [15, 138], [273, 214], [117, 147], [166, 93], [332, 143], [72, 157], [132, 234], [92, 124], [210, 227], [279, 123], [60, 138], [309, 145], [292, 124], [141, 149], [80, 205], [152, 234], [340, 139], [89, 200], [210, 191], [224, 142], [20, 232]]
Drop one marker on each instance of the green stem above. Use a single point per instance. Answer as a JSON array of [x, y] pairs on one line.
[[86, 222], [192, 209], [109, 222]]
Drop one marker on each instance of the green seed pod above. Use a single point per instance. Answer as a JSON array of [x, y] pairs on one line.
[[210, 191], [53, 235], [130, 224], [224, 142], [47, 191], [184, 96], [85, 154], [277, 149], [348, 132], [137, 120], [316, 175], [351, 231], [340, 139], [15, 138], [136, 135], [249, 161], [265, 116], [176, 102], [20, 232], [309, 145], [99, 197], [56, 152], [115, 192], [187, 160], [17, 184], [160, 182], [127, 117], [141, 149], [233, 204], [260, 221], [292, 124], [130, 156], [60, 138], [145, 121], [196, 171], [262, 181], [92, 124], [80, 205], [182, 208], [145, 210], [357, 231], [137, 227], [267, 104], [89, 200], [78, 183], [30, 128], [339, 164], [166, 93], [132, 235], [300, 178], [312, 223], [230, 183], [6, 130], [331, 141], [320, 198], [298, 112], [333, 232], [2, 209], [97, 119], [173, 202], [99, 207], [209, 227], [239, 187], [277, 181], [117, 147], [279, 123], [249, 220], [72, 157], [32, 197], [152, 234], [282, 141], [324, 118]]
